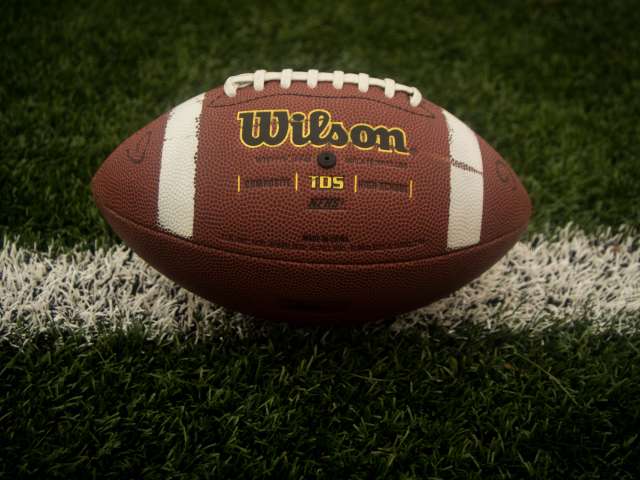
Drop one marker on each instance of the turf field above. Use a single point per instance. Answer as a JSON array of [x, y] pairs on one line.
[[108, 370]]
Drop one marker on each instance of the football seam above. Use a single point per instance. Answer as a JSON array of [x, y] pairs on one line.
[[520, 229], [464, 166], [425, 114]]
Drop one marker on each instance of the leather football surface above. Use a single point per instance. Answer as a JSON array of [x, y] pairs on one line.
[[313, 198]]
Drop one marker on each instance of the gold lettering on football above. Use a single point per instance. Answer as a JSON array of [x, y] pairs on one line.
[[272, 128]]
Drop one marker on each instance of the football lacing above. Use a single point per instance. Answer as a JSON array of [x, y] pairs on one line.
[[312, 77]]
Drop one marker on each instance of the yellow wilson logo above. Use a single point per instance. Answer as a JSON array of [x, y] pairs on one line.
[[272, 128]]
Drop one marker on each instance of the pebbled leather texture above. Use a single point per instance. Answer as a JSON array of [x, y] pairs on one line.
[[263, 240]]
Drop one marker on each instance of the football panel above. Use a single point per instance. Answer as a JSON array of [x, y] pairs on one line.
[[307, 293], [127, 181], [372, 206], [506, 203]]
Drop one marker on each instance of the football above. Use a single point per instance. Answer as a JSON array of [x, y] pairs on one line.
[[313, 197]]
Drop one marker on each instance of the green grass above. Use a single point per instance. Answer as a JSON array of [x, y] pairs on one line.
[[553, 85], [313, 404]]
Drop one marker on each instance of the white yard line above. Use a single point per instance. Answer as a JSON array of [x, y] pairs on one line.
[[542, 282]]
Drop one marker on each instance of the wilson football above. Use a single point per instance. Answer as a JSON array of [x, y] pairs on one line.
[[313, 197]]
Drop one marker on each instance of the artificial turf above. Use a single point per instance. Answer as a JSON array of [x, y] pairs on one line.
[[553, 85], [316, 404]]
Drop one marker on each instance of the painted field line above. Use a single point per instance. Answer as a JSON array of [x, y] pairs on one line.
[[541, 282]]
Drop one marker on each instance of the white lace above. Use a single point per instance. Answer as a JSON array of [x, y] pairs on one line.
[[312, 77]]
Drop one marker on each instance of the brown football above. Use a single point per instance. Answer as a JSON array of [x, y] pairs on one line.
[[310, 197]]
